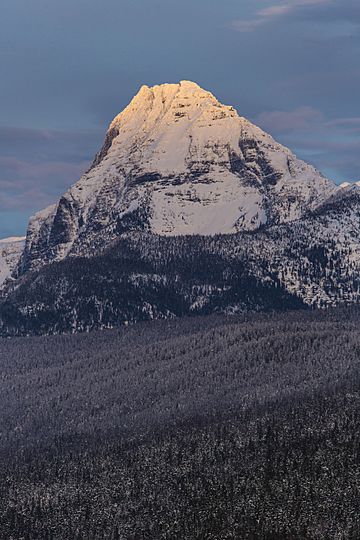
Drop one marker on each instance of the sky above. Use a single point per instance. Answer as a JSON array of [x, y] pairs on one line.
[[67, 67]]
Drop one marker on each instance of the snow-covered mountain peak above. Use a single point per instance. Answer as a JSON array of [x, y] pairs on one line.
[[177, 108], [176, 161], [162, 96], [177, 128]]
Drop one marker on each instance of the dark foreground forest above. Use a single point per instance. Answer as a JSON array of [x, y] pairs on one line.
[[200, 428]]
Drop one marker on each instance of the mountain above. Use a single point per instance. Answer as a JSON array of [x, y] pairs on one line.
[[176, 162], [10, 251], [188, 209]]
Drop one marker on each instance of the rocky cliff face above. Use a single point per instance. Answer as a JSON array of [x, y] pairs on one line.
[[176, 162], [10, 252]]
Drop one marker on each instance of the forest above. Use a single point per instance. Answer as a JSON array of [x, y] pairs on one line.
[[217, 427]]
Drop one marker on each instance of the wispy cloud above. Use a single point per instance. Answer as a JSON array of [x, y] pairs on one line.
[[50, 162], [350, 123], [28, 186], [285, 121], [274, 12], [306, 119]]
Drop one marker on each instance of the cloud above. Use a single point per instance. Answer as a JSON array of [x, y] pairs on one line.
[[50, 162], [332, 145], [274, 12], [305, 118], [351, 125], [339, 160], [284, 121], [48, 145], [37, 166], [29, 186], [31, 171]]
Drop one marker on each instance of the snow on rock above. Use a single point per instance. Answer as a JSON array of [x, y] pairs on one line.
[[10, 251], [176, 161], [37, 244]]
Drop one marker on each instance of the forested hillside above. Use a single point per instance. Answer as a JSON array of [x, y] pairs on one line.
[[196, 428], [312, 262], [138, 278]]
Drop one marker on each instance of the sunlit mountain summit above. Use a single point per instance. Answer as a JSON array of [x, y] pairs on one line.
[[176, 161]]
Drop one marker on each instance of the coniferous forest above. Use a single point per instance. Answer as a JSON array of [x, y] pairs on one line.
[[243, 427]]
